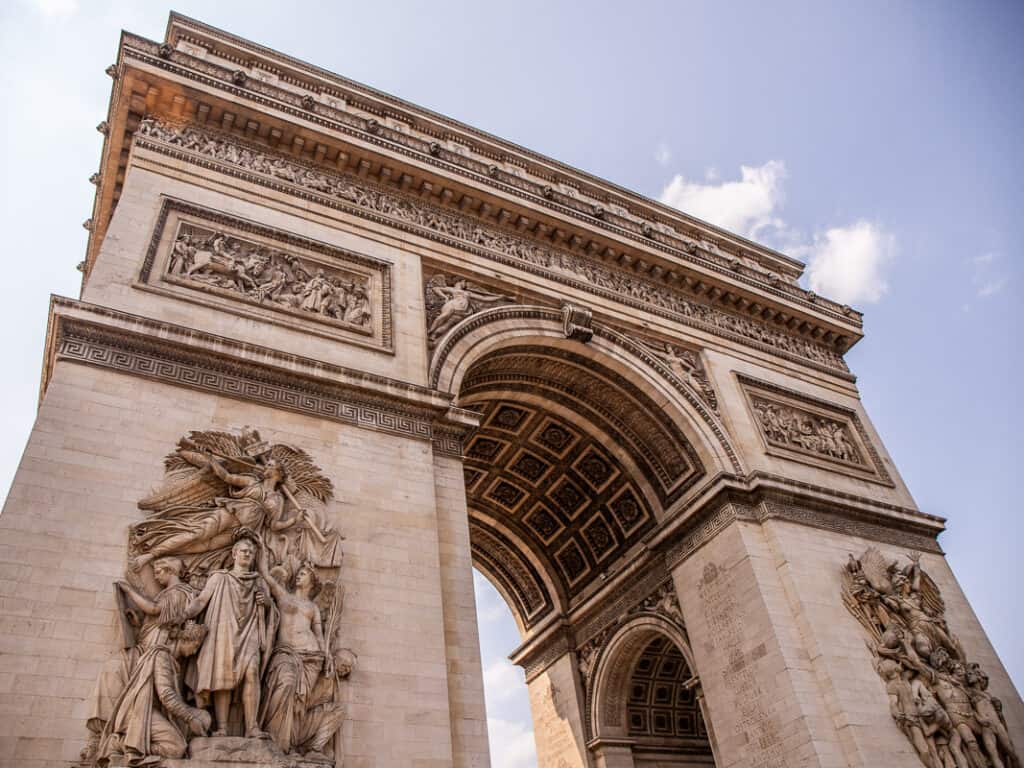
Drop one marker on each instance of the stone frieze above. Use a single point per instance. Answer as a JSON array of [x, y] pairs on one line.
[[804, 429], [554, 263], [225, 261]]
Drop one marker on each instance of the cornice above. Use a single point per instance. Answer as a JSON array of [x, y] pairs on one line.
[[761, 497], [92, 335], [316, 80], [368, 131], [404, 211]]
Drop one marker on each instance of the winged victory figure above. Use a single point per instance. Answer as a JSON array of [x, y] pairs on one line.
[[450, 304], [217, 483]]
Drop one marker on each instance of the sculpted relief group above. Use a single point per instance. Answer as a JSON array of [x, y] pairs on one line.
[[638, 427], [230, 614], [938, 697]]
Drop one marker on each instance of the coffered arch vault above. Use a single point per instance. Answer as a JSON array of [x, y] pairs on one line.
[[582, 448]]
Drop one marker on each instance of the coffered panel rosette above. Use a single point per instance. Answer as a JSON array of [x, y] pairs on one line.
[[572, 459]]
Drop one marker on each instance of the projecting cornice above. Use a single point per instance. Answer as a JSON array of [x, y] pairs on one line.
[[213, 79]]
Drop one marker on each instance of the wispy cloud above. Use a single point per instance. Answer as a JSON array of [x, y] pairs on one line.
[[512, 744], [502, 679], [489, 605], [663, 154], [846, 263], [54, 8], [987, 275]]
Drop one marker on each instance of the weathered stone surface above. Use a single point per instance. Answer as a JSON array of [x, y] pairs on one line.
[[666, 462]]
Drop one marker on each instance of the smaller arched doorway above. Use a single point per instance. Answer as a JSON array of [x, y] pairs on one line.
[[645, 702]]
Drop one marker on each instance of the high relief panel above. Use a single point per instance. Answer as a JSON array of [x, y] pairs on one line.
[[811, 431], [938, 697], [213, 258], [230, 614]]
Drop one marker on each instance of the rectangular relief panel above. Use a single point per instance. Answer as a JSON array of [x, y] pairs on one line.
[[801, 428], [218, 260]]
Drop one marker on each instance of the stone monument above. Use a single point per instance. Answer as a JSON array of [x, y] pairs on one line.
[[333, 350]]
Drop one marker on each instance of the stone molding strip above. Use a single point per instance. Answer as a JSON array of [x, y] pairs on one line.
[[715, 518], [86, 341], [391, 208]]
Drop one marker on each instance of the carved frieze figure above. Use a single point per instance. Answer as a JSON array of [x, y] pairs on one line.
[[300, 709], [938, 700], [226, 262], [795, 428], [242, 621], [687, 365], [151, 717], [217, 483], [231, 566], [145, 623], [448, 305]]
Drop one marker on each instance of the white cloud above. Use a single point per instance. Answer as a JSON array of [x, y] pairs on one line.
[[490, 606], [990, 288], [845, 263], [987, 278], [662, 154], [848, 263], [55, 8], [747, 206], [512, 744], [502, 679]]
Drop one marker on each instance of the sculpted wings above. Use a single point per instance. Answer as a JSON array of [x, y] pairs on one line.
[[931, 598], [189, 481], [304, 478], [862, 601], [876, 570]]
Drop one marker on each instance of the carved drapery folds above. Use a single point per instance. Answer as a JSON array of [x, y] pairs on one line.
[[486, 240], [811, 431], [449, 300], [939, 699], [233, 574], [209, 257]]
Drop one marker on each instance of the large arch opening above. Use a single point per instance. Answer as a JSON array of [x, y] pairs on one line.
[[582, 447]]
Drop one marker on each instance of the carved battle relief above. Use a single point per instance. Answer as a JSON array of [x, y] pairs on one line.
[[797, 427], [939, 699], [214, 258], [230, 614]]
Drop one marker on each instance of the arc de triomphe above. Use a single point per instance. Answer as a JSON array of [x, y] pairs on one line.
[[333, 350]]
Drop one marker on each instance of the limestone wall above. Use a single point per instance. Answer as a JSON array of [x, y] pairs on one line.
[[97, 447], [787, 671]]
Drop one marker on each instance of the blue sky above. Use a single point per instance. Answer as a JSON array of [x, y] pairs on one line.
[[878, 141]]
